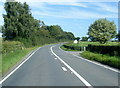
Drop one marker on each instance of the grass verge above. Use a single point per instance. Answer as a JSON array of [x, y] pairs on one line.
[[112, 61], [10, 59]]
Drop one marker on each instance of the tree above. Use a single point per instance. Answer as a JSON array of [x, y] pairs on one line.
[[84, 39], [55, 31], [20, 25], [102, 30], [77, 38], [10, 20], [18, 21], [70, 36]]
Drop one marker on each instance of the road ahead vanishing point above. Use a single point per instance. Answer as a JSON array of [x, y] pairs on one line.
[[51, 66]]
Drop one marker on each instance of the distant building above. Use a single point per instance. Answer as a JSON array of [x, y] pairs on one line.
[[75, 41], [0, 35]]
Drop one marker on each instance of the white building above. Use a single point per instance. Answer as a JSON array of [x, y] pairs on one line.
[[75, 41]]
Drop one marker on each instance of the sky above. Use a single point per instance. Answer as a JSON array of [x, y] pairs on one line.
[[72, 15]]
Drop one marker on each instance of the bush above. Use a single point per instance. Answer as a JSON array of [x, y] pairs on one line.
[[12, 46], [103, 49], [113, 61], [74, 47]]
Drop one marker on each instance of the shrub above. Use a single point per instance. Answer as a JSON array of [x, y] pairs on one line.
[[74, 47], [12, 46], [103, 49], [113, 61]]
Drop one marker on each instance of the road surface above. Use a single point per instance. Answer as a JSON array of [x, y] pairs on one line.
[[51, 66]]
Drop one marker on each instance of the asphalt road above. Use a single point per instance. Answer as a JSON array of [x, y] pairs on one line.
[[51, 66]]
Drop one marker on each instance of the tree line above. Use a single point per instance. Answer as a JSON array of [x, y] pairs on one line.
[[20, 25]]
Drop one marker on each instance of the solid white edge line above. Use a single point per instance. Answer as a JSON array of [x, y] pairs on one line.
[[99, 64], [64, 69], [75, 73], [18, 66]]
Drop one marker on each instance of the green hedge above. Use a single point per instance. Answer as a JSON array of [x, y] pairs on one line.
[[113, 61], [11, 46], [72, 47], [110, 50]]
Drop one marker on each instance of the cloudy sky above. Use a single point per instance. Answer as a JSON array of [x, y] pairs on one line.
[[72, 15]]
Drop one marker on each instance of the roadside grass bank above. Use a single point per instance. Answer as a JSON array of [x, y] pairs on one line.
[[107, 59], [113, 61], [12, 58], [12, 53]]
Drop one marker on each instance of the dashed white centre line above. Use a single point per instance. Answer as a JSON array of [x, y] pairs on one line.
[[55, 58], [72, 70], [64, 69]]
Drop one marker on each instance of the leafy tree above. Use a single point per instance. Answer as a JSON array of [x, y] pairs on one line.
[[77, 38], [67, 36], [20, 25], [10, 20], [102, 30], [56, 31], [84, 39], [70, 36]]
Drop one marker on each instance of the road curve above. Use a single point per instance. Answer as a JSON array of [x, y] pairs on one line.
[[45, 68]]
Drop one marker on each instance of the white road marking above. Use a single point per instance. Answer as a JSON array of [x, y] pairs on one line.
[[112, 69], [75, 73], [17, 67], [64, 69], [55, 58]]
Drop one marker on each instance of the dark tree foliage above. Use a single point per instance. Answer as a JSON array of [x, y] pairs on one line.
[[57, 32], [77, 38], [20, 25], [84, 39]]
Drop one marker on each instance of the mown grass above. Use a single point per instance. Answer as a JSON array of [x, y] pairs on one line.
[[9, 60], [112, 61]]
